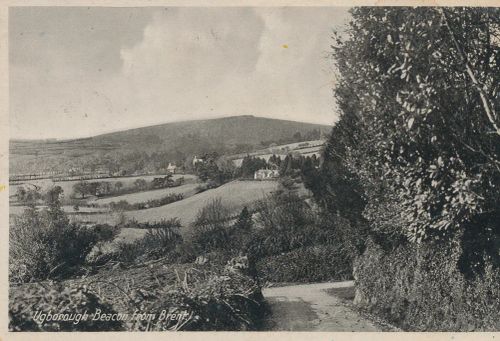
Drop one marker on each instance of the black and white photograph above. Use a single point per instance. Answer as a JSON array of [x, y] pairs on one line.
[[251, 168]]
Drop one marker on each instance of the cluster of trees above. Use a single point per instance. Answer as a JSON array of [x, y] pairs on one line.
[[28, 196], [127, 163], [97, 188], [291, 165], [251, 164], [298, 165], [214, 169]]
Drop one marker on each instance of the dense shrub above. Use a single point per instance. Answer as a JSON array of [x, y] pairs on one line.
[[307, 264], [215, 299], [210, 228], [45, 244], [70, 301], [162, 239], [286, 223], [421, 288]]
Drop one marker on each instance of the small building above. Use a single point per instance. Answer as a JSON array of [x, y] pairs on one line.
[[263, 174], [196, 160], [171, 168]]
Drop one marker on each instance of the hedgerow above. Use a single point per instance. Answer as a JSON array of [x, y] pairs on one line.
[[420, 288], [308, 264]]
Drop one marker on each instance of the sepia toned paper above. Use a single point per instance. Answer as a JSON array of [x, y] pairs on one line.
[[260, 59]]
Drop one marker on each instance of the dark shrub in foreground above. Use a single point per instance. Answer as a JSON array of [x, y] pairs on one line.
[[162, 239], [24, 304], [215, 299], [309, 264], [46, 245], [420, 288]]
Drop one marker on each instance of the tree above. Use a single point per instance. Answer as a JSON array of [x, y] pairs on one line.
[[274, 161], [244, 221], [118, 186], [251, 164], [286, 168], [28, 197], [81, 188], [140, 184], [418, 130], [210, 228], [297, 136], [53, 196], [214, 169], [103, 188]]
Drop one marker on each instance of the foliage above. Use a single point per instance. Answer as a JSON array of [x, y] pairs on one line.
[[420, 288], [44, 244], [210, 228], [162, 239], [162, 182], [415, 123], [124, 205], [251, 164], [141, 184], [413, 162], [28, 196], [306, 264], [214, 300], [61, 300], [207, 299], [214, 168], [163, 236], [244, 221], [97, 188]]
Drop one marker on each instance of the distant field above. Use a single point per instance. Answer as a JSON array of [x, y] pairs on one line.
[[138, 197], [67, 186], [17, 210], [235, 194], [282, 151]]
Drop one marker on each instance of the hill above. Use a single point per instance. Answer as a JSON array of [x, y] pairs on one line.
[[175, 141]]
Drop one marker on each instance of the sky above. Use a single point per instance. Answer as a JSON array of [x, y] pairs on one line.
[[82, 71]]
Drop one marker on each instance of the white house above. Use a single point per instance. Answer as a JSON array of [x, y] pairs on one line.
[[263, 174], [196, 160], [171, 168]]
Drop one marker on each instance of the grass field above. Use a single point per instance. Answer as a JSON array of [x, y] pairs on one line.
[[235, 194], [315, 147], [132, 198], [67, 186]]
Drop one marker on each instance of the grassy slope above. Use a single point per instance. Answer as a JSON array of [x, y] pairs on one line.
[[67, 186], [138, 197], [236, 194]]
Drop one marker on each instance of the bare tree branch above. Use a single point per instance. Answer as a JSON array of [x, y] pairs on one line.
[[489, 109]]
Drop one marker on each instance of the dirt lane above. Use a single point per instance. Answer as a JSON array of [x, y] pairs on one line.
[[309, 307]]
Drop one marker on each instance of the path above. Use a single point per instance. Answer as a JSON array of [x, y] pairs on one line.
[[309, 307]]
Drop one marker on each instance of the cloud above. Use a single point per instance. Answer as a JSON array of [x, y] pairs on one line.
[[187, 63]]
